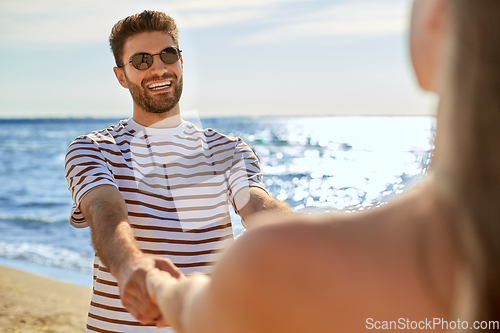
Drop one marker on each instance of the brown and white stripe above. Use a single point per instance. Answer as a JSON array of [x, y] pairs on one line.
[[177, 184]]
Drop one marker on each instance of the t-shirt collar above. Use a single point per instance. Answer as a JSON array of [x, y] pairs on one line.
[[131, 124]]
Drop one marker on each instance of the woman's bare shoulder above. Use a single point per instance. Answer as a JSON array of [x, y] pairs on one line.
[[293, 276]]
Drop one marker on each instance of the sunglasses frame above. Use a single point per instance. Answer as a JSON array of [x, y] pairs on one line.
[[178, 51]]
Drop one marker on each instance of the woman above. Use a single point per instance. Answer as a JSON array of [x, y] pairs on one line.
[[429, 260]]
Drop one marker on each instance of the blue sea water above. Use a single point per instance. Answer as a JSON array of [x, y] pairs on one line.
[[317, 165]]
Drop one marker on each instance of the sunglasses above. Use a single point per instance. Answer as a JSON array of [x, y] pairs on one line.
[[142, 61]]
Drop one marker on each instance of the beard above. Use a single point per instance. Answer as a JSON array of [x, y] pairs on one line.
[[160, 103]]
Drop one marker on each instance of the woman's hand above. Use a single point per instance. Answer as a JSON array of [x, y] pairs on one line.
[[160, 287]]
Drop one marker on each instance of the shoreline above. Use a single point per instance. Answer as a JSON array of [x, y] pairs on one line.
[[35, 303], [58, 273]]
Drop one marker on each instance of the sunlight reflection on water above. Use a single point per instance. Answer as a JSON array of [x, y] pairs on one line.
[[343, 163]]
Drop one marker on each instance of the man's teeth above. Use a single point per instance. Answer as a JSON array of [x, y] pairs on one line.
[[161, 85]]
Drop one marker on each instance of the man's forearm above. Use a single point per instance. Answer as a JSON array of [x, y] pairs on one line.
[[106, 213], [112, 237], [256, 200], [276, 206]]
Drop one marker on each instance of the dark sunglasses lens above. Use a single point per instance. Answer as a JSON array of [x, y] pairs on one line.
[[142, 61], [169, 55]]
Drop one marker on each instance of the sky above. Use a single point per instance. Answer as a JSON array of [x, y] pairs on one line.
[[241, 58]]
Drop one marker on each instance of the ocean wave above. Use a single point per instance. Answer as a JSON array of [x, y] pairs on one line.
[[35, 218], [48, 255], [31, 203]]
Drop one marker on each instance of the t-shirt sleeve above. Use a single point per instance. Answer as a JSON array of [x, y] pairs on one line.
[[245, 170], [86, 169]]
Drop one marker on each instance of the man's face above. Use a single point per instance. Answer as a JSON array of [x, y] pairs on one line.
[[157, 89]]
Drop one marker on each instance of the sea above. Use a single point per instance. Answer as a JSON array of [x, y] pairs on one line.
[[318, 165]]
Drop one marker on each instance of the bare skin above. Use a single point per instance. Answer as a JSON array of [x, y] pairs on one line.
[[332, 273]]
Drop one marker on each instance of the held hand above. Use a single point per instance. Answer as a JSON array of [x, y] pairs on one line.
[[133, 290], [158, 283]]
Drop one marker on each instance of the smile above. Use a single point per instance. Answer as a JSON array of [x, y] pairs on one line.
[[160, 85]]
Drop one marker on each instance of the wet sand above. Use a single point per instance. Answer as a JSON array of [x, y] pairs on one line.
[[33, 303]]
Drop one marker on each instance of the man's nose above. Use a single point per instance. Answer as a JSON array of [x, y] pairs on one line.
[[158, 65]]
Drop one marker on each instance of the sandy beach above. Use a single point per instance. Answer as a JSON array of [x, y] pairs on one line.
[[33, 303]]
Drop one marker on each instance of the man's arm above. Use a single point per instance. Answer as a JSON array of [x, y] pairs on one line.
[[106, 213], [255, 200]]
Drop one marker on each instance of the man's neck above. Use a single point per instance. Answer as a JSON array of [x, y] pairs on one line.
[[167, 119]]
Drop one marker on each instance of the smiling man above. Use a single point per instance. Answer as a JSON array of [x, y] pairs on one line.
[[154, 189]]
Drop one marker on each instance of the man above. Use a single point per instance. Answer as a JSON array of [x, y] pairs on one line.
[[154, 189]]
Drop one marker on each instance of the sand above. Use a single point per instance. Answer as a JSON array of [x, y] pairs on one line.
[[32, 303]]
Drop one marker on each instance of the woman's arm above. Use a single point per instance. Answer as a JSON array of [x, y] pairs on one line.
[[232, 299], [179, 299]]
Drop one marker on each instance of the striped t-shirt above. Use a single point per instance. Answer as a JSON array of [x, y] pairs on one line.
[[177, 184]]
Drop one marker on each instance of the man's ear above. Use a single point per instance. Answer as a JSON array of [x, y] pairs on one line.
[[120, 75]]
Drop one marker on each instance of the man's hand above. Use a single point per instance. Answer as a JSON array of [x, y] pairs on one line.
[[133, 288]]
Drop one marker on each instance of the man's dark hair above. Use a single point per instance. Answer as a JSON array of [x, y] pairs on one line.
[[147, 21]]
